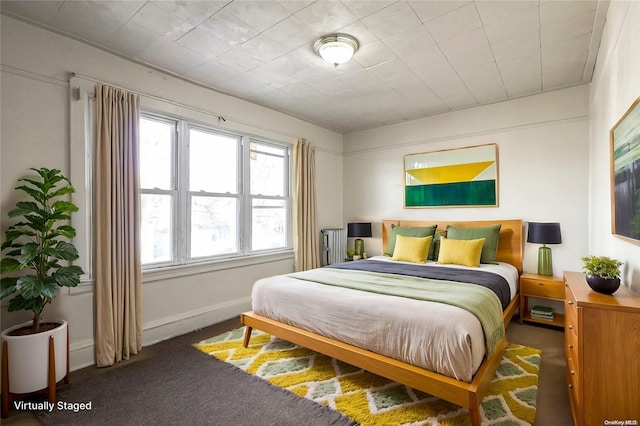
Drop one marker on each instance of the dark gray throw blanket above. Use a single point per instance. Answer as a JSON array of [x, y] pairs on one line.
[[493, 282]]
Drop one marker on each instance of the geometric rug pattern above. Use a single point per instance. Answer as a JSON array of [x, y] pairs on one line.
[[373, 400]]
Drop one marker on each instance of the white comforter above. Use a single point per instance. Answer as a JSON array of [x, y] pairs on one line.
[[438, 337]]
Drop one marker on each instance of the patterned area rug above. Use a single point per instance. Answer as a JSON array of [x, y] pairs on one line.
[[372, 400]]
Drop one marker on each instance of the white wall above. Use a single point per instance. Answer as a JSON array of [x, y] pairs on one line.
[[615, 85], [543, 167], [36, 65]]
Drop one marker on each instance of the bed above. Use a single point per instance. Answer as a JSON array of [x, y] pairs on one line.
[[378, 354]]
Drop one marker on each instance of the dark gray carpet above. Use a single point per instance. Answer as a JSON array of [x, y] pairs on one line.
[[186, 387]]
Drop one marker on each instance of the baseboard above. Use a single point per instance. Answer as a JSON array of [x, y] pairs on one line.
[[81, 354], [176, 325]]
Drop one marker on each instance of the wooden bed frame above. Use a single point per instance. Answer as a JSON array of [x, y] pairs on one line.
[[468, 395]]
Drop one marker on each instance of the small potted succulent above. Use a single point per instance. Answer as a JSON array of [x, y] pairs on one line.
[[603, 273], [350, 254]]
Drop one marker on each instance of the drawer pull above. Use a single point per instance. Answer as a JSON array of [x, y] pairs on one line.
[[570, 302], [573, 373], [570, 386], [570, 346], [570, 327], [542, 284]]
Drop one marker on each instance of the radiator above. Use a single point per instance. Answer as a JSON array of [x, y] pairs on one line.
[[334, 245]]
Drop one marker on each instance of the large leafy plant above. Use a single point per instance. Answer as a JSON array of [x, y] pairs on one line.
[[38, 245]]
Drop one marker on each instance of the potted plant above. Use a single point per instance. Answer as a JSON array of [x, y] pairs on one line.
[[603, 273], [350, 254], [37, 256]]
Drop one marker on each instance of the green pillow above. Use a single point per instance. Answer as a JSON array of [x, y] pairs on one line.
[[434, 249], [491, 234], [406, 231]]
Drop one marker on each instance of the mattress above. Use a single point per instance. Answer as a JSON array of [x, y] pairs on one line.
[[438, 337]]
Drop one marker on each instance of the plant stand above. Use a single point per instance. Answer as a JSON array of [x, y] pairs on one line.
[[50, 390]]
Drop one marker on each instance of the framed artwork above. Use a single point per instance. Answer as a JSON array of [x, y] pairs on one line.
[[462, 177], [625, 175]]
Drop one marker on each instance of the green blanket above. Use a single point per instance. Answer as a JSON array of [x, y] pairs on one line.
[[478, 300]]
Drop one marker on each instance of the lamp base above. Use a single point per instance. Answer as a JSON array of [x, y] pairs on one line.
[[545, 265], [359, 247]]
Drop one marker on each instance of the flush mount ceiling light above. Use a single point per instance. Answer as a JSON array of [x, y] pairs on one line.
[[336, 48]]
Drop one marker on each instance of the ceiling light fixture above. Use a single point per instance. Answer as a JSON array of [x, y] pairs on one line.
[[336, 48]]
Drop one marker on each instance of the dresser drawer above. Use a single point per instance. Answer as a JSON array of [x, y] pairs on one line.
[[573, 369], [573, 389], [572, 322], [571, 314], [571, 341], [550, 289]]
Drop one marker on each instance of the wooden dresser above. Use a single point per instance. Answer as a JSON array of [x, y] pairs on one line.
[[602, 335]]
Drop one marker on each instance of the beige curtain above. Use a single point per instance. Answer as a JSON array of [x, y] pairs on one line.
[[307, 239], [118, 275]]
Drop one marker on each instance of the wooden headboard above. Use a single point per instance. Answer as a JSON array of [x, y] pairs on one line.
[[509, 244]]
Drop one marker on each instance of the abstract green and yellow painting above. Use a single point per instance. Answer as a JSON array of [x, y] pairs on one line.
[[462, 177]]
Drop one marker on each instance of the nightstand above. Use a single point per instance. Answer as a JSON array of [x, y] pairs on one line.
[[541, 287]]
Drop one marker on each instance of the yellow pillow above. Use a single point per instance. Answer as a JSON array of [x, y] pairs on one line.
[[460, 252], [412, 249]]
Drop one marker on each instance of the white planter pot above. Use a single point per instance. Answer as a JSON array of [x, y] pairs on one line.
[[29, 357]]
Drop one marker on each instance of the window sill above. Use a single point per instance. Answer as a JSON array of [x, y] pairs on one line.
[[160, 274], [85, 286]]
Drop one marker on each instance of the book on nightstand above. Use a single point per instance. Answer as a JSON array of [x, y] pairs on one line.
[[542, 312]]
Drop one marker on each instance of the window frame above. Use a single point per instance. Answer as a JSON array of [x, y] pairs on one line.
[[82, 137], [186, 255], [175, 201], [286, 197], [181, 222]]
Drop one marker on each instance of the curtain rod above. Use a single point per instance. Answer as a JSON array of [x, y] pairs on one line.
[[181, 105], [154, 97]]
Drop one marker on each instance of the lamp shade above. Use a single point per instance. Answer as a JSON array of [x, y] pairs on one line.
[[544, 233], [359, 229]]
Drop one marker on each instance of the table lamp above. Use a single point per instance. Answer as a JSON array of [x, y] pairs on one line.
[[544, 233], [357, 230]]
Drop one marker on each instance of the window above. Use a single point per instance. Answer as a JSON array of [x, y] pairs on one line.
[[158, 194], [209, 194], [269, 207]]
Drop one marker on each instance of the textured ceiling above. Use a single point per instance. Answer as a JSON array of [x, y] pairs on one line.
[[417, 58]]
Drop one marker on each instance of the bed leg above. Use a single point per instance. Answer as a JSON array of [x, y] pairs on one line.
[[247, 336], [474, 414]]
